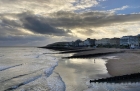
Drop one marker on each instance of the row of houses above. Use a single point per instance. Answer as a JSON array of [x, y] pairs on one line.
[[131, 41], [128, 41], [125, 41], [77, 43], [108, 41]]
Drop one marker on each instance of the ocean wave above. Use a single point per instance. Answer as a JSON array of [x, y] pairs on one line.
[[24, 64], [55, 83]]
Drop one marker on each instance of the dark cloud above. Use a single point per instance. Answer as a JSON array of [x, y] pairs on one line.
[[12, 23], [9, 40], [89, 19], [31, 22], [67, 20], [10, 27], [58, 24], [19, 37], [9, 30], [37, 25]]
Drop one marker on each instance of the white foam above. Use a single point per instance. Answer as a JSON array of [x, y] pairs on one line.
[[3, 67], [49, 71], [32, 60], [54, 80], [114, 87], [56, 83]]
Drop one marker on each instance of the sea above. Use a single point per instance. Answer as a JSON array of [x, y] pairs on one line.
[[37, 69]]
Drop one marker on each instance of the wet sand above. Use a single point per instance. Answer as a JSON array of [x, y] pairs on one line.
[[99, 50], [127, 63], [76, 73]]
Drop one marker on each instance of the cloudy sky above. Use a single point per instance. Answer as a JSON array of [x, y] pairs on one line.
[[40, 22]]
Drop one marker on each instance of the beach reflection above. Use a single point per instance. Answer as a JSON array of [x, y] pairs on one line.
[[77, 72]]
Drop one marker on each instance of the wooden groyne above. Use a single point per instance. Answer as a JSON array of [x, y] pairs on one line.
[[93, 55], [131, 78], [62, 48], [77, 50]]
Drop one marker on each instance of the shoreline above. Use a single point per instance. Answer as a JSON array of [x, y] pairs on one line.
[[76, 73], [127, 61], [98, 52], [118, 63]]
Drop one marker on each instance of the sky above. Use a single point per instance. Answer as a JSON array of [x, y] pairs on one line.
[[41, 22]]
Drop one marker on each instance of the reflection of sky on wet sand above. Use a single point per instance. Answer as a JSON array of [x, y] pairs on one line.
[[88, 65], [76, 72]]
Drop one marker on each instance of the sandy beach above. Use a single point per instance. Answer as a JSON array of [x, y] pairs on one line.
[[84, 69], [99, 50], [126, 63]]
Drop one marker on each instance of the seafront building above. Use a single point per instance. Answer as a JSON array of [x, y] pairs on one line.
[[138, 39], [131, 41], [107, 41], [81, 44], [115, 41], [76, 43], [104, 41], [89, 42], [85, 43], [123, 42]]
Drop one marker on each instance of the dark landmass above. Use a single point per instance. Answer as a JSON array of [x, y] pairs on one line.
[[62, 48], [78, 50]]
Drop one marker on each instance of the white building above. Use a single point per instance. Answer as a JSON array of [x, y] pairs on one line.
[[131, 41], [89, 42], [86, 43], [81, 44], [76, 43], [103, 41], [115, 41]]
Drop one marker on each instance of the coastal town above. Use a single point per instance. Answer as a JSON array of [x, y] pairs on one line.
[[132, 42]]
